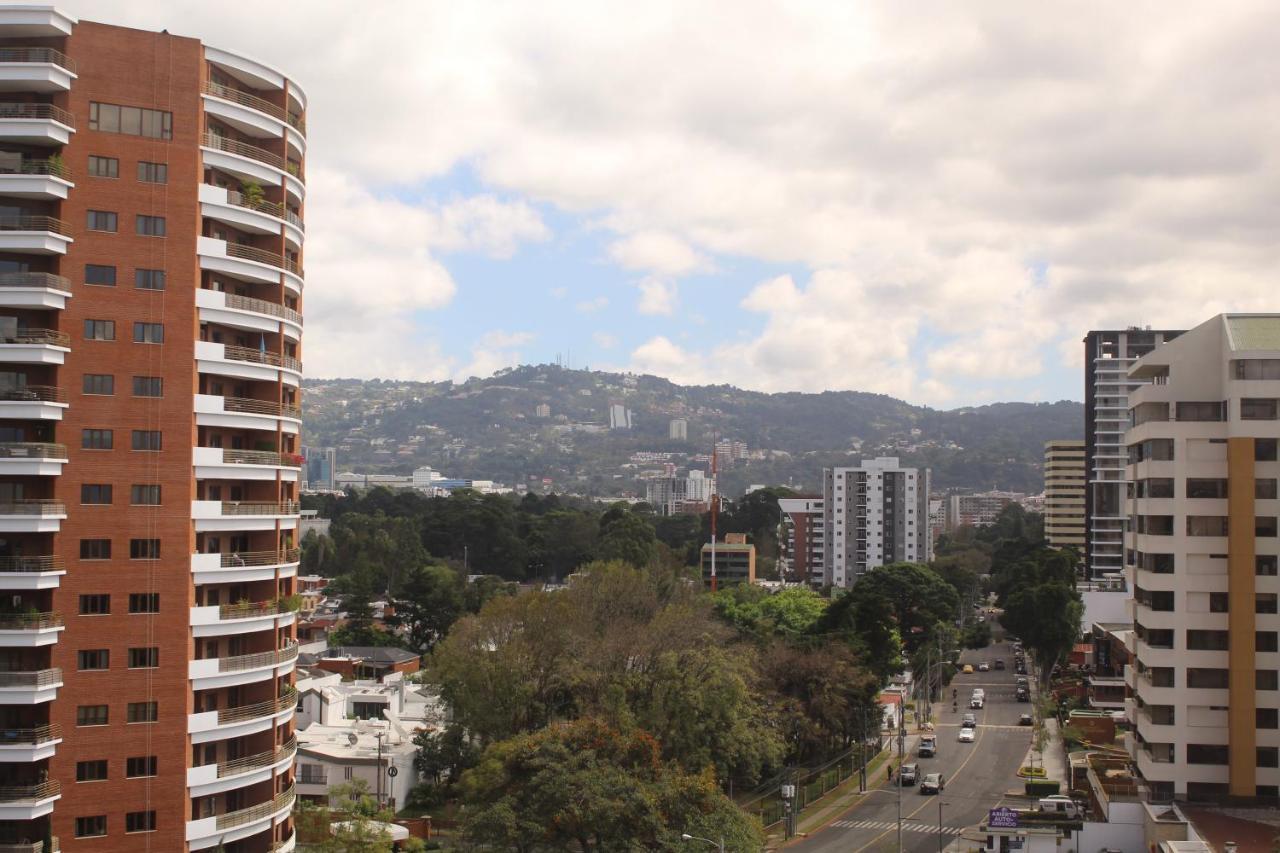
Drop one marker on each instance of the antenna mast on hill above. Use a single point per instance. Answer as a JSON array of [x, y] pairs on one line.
[[715, 504]]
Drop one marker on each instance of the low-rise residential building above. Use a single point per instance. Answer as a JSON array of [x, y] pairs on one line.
[[980, 509], [363, 662], [803, 539], [732, 561], [331, 755]]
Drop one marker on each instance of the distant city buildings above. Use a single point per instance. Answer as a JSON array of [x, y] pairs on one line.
[[729, 451], [803, 540], [1108, 357], [730, 562], [977, 510], [873, 515], [678, 429], [542, 410], [619, 417], [679, 495], [320, 467], [1064, 493]]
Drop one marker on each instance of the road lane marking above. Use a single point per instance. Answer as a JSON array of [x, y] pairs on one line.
[[890, 824]]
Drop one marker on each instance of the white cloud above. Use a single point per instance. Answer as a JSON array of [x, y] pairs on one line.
[[657, 296], [592, 306], [604, 340], [495, 350], [925, 156]]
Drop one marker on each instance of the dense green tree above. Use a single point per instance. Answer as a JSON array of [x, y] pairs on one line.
[[626, 536], [792, 611], [429, 601], [358, 627], [822, 695]]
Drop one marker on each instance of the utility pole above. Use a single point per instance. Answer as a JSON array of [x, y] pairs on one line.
[[862, 754], [902, 732], [379, 736]]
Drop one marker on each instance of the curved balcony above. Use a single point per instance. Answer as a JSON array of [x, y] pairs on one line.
[[241, 566], [29, 688], [247, 363], [253, 214], [244, 618], [244, 413], [35, 69], [219, 463], [27, 630], [35, 124], [28, 745], [210, 673], [33, 402], [242, 823], [41, 180], [213, 516], [239, 772], [243, 160], [254, 116], [32, 458], [243, 719], [34, 235], [286, 846], [248, 263], [31, 573], [28, 802], [32, 516], [34, 346], [243, 312]]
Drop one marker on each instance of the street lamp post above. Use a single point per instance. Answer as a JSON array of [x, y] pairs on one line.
[[940, 805], [719, 845]]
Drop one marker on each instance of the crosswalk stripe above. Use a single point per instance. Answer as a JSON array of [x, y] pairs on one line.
[[912, 826]]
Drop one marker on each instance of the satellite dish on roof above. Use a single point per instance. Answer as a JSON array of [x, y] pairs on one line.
[[352, 739]]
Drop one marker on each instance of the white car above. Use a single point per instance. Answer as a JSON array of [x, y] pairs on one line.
[[983, 667], [966, 735]]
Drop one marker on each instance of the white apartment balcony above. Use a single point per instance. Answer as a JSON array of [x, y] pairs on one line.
[[42, 180], [253, 315], [29, 688], [250, 162], [242, 566], [32, 516], [23, 746], [39, 290], [214, 516], [287, 846], [243, 719], [255, 215], [212, 673], [31, 573], [222, 463], [243, 413], [33, 403], [35, 69], [28, 630], [246, 363], [248, 263], [34, 235], [28, 802], [233, 826], [35, 124], [35, 22], [34, 346], [32, 458], [215, 778], [217, 620]]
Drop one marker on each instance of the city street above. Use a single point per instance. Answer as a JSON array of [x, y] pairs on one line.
[[977, 774]]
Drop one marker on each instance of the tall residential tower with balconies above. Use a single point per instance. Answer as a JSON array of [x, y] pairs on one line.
[[1201, 551], [873, 515], [151, 233]]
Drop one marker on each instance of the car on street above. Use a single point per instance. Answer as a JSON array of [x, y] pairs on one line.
[[909, 774], [999, 663], [928, 746], [1022, 695], [984, 667], [969, 721], [966, 735], [968, 669], [1024, 720], [932, 783], [1059, 804], [977, 703]]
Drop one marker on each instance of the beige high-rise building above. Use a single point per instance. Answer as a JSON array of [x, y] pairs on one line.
[[1201, 551], [1064, 493]]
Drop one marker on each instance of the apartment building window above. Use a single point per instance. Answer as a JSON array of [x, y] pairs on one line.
[[149, 226], [1161, 487], [146, 439], [96, 439], [144, 549], [1201, 411], [147, 279], [102, 275], [1206, 525], [91, 715], [1266, 718], [1252, 409], [1264, 488], [153, 173], [144, 602], [102, 220], [1213, 679], [95, 493], [1155, 525], [144, 495], [148, 333], [1266, 756], [1154, 449], [139, 766], [141, 712], [91, 771], [95, 549], [1256, 368], [140, 821], [99, 330], [1219, 602], [1264, 450], [97, 604], [91, 827], [144, 658], [1207, 641], [1206, 753], [1205, 488], [148, 386], [1265, 641], [1266, 679], [131, 121], [1265, 526], [93, 659], [1265, 565], [102, 384], [103, 167]]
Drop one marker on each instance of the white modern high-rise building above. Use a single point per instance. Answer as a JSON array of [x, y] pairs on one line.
[[1064, 476], [675, 495], [678, 429], [1201, 551], [619, 417], [873, 515]]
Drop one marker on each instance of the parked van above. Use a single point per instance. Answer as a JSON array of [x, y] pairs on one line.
[[1059, 804], [928, 746]]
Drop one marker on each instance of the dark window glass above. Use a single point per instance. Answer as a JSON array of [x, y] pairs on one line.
[[90, 659], [113, 118], [150, 226], [99, 330], [91, 715], [1204, 753], [144, 658], [140, 765], [1265, 641], [1265, 564], [141, 712], [91, 771], [1264, 450], [1206, 488], [1266, 679], [95, 549], [148, 386], [144, 495], [1258, 409], [153, 173], [148, 333], [144, 602], [1266, 718], [1200, 411], [100, 274], [144, 549], [146, 439], [91, 827], [146, 279], [140, 821], [103, 167], [101, 220], [96, 439], [95, 605], [99, 383], [95, 493]]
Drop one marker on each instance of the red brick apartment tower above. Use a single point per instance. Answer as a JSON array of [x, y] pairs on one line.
[[150, 334]]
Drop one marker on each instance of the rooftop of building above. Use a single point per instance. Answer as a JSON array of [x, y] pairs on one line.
[[1253, 331], [729, 546], [373, 654], [354, 740]]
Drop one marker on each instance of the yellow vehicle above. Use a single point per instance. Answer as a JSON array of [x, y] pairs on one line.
[[968, 669]]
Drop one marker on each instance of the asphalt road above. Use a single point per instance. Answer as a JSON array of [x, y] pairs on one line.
[[977, 774]]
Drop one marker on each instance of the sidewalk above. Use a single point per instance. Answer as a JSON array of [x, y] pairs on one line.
[[1053, 760]]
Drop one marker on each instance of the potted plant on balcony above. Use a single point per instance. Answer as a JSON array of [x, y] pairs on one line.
[[253, 193]]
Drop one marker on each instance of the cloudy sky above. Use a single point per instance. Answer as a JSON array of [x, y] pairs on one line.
[[930, 200]]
